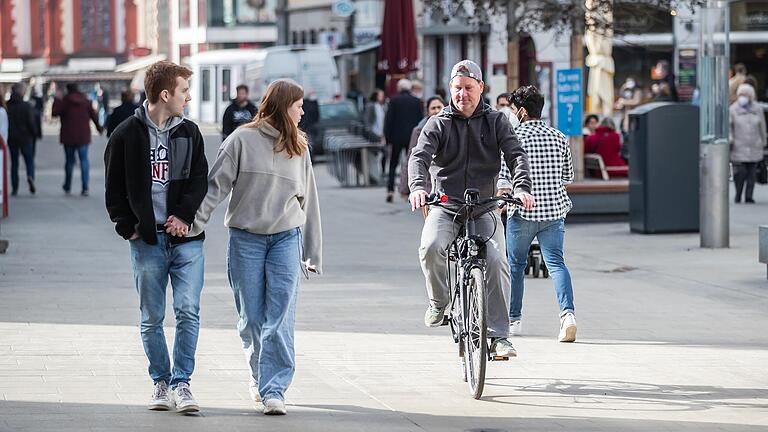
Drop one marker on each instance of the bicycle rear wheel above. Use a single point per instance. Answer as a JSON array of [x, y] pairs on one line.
[[476, 347]]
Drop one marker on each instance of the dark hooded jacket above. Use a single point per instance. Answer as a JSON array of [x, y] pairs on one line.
[[76, 113], [129, 178], [21, 122], [461, 153]]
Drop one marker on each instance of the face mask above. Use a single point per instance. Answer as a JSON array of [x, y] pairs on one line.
[[507, 111], [630, 84], [743, 100]]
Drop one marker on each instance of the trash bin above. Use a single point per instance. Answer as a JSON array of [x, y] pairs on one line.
[[664, 168]]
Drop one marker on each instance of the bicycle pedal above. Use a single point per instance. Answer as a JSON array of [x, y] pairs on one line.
[[499, 358], [446, 321]]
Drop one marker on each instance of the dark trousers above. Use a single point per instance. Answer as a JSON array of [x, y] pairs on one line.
[[82, 153], [394, 160], [744, 172], [27, 151]]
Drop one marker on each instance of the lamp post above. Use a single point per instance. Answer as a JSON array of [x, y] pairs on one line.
[[714, 52]]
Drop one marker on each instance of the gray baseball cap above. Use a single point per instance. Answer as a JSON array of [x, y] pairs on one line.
[[467, 68]]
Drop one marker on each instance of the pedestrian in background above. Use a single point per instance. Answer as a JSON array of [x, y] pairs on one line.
[[126, 110], [238, 113], [76, 113], [274, 233], [37, 108], [3, 120], [606, 142], [403, 114], [311, 117], [738, 78], [435, 104], [748, 140], [21, 137], [551, 169], [591, 122], [155, 181]]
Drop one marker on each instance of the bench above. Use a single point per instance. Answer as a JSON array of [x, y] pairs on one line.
[[594, 162], [763, 246], [599, 197]]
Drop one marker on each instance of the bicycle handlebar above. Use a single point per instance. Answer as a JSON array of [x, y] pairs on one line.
[[439, 199]]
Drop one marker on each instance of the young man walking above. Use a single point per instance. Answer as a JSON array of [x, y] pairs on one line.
[[156, 178], [238, 113], [551, 169]]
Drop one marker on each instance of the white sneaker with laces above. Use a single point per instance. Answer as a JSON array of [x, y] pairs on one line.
[[160, 400], [502, 347], [274, 407], [567, 328], [433, 317], [515, 328], [253, 390], [185, 402]]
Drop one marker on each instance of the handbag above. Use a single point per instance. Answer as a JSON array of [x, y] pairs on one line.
[[762, 172]]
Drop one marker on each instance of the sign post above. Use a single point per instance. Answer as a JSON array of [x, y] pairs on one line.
[[569, 109]]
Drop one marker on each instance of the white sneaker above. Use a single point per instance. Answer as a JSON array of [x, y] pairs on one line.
[[274, 407], [515, 328], [502, 347], [253, 389], [160, 400], [433, 317], [567, 328], [185, 402]]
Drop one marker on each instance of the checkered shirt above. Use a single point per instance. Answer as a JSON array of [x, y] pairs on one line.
[[551, 169]]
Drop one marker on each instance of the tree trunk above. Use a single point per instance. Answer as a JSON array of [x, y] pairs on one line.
[[513, 48], [577, 62]]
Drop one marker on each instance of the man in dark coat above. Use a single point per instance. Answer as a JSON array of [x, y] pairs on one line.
[[404, 113], [239, 112], [125, 110], [76, 113], [21, 137]]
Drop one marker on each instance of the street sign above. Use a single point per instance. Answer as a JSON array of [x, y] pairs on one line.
[[343, 8], [569, 101]]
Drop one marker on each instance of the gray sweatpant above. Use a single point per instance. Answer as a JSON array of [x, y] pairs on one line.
[[438, 233]]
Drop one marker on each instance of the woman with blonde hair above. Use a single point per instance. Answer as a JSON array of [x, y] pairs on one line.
[[274, 233]]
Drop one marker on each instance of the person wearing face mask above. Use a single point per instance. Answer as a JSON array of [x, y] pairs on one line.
[[435, 104], [503, 106], [748, 140], [630, 97], [551, 168]]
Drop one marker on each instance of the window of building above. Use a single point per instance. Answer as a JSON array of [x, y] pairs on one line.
[[184, 13], [226, 78], [312, 37], [294, 37], [95, 25], [205, 85], [303, 37]]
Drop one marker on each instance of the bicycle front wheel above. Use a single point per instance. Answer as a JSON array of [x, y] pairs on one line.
[[476, 351]]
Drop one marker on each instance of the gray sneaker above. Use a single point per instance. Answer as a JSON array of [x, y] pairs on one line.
[[433, 317], [161, 400], [274, 407], [253, 390], [502, 347], [185, 402]]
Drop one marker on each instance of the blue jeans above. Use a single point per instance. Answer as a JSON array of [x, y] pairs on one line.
[[152, 266], [264, 273], [28, 153], [551, 235], [69, 164]]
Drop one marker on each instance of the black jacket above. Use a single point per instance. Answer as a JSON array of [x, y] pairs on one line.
[[129, 182], [403, 114], [118, 115], [22, 129], [235, 115], [461, 153]]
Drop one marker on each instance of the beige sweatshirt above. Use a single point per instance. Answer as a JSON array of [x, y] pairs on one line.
[[271, 192]]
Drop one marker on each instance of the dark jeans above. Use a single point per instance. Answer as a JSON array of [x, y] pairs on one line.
[[394, 159], [744, 172], [82, 154], [27, 151]]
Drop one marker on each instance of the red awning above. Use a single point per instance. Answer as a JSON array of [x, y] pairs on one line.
[[398, 53]]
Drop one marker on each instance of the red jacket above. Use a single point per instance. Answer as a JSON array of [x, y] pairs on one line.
[[607, 143], [76, 113]]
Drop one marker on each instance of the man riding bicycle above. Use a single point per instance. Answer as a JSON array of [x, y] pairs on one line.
[[461, 148]]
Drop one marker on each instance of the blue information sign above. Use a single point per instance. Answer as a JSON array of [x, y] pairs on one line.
[[569, 101]]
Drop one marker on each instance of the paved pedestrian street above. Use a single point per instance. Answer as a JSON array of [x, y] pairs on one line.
[[671, 337]]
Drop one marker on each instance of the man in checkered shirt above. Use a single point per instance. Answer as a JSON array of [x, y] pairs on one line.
[[551, 169]]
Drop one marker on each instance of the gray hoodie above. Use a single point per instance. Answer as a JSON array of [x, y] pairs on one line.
[[461, 153], [160, 159]]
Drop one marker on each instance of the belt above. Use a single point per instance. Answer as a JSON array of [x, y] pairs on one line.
[[160, 228]]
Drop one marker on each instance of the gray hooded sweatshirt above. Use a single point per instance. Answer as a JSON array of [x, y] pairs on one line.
[[160, 159]]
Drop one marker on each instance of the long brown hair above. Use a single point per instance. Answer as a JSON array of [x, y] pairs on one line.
[[280, 95]]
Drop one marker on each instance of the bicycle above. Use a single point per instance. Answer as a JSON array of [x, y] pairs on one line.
[[466, 263]]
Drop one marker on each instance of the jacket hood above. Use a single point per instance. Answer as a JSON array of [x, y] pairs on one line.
[[452, 112], [76, 98], [269, 130], [141, 114]]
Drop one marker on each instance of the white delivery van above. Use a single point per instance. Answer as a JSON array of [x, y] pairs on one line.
[[312, 66], [216, 76]]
